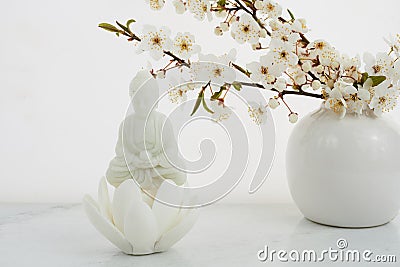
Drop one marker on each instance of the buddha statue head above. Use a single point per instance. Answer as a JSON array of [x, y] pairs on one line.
[[144, 92]]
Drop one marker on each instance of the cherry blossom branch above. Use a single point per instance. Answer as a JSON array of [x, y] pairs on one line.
[[285, 92], [126, 31], [177, 59], [253, 14]]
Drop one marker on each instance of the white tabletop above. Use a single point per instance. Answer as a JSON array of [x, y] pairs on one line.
[[225, 235]]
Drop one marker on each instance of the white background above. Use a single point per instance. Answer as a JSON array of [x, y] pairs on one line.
[[64, 86]]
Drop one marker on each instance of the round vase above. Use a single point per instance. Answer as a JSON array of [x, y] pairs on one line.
[[345, 172]]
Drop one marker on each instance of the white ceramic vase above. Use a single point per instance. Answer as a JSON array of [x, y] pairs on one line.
[[345, 172]]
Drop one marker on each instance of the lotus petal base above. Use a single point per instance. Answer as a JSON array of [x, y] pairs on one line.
[[132, 225]]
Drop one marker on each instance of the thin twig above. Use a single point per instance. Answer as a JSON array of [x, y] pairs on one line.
[[253, 15], [285, 92]]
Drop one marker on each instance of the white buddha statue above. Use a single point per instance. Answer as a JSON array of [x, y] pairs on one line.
[[141, 153]]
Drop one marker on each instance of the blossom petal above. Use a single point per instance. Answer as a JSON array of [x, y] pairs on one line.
[[124, 195], [140, 228], [189, 217], [364, 94], [350, 90], [104, 226], [369, 59]]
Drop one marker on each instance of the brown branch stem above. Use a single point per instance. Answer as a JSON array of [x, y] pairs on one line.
[[254, 16], [285, 92]]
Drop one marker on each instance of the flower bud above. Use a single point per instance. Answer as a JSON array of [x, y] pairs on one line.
[[218, 31], [273, 103], [316, 85], [293, 117], [258, 4], [270, 78], [280, 84], [306, 66], [300, 79], [319, 68], [224, 26], [330, 83], [160, 74]]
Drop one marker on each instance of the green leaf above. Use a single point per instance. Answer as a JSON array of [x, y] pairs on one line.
[[291, 14], [129, 22], [216, 95], [237, 85], [205, 105], [248, 3], [364, 78], [108, 27], [198, 102], [377, 80], [221, 3], [123, 26], [242, 70]]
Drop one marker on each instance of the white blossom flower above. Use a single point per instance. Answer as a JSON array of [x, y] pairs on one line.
[[214, 68], [155, 41], [300, 25], [384, 98], [324, 51], [330, 58], [293, 117], [282, 56], [394, 44], [135, 224], [297, 74], [273, 103], [270, 8], [338, 106], [260, 72], [200, 9], [156, 4], [184, 45], [396, 72], [178, 95], [284, 33], [180, 7], [356, 100], [214, 72], [221, 112], [350, 67], [245, 30], [335, 98], [379, 65], [258, 113], [318, 47]]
